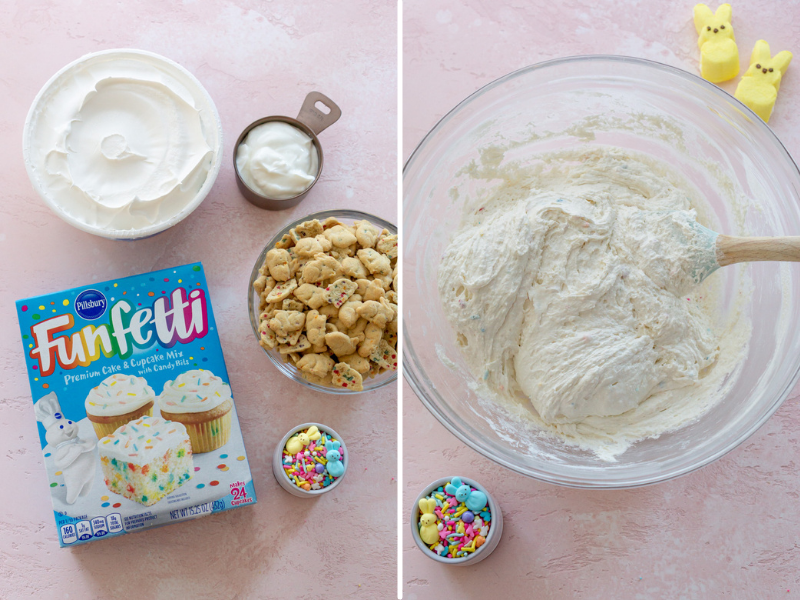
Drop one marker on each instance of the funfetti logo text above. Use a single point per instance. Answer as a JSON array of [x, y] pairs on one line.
[[177, 318]]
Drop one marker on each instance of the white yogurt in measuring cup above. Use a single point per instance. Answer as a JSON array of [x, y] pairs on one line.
[[123, 143], [277, 160]]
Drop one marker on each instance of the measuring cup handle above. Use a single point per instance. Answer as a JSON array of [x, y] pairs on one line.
[[314, 118]]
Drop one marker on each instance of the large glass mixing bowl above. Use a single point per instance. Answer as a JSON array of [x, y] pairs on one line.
[[719, 146]]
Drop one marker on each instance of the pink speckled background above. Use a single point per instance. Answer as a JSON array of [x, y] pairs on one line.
[[728, 531], [254, 58]]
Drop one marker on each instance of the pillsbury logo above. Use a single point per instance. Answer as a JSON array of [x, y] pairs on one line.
[[90, 304]]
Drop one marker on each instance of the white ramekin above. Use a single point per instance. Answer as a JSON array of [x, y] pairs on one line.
[[495, 531], [283, 479]]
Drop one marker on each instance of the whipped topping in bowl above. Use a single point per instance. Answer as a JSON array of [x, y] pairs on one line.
[[123, 143]]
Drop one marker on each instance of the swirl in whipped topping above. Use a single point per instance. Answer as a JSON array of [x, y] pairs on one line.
[[193, 392], [118, 395], [122, 142]]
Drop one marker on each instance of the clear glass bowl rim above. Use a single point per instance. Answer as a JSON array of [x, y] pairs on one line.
[[285, 368], [415, 377]]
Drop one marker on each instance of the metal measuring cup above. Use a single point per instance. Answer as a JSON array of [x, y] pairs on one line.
[[311, 121]]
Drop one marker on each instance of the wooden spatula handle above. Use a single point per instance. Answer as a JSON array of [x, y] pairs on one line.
[[732, 250]]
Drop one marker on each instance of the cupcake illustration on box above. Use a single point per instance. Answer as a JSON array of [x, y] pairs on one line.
[[96, 357], [118, 399], [202, 402]]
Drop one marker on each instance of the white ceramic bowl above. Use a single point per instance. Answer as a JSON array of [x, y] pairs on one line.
[[209, 118], [720, 147], [492, 539], [283, 479]]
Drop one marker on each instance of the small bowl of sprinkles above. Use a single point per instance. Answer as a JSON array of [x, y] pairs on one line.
[[455, 521], [310, 460]]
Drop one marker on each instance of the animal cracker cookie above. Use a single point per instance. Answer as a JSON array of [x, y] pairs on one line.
[[353, 267], [308, 247], [384, 356], [359, 363], [281, 291], [340, 343], [318, 365], [372, 338], [339, 292], [758, 87], [322, 267], [719, 55], [388, 245], [347, 377], [286, 324], [375, 261], [310, 295], [366, 234], [315, 327], [348, 312], [379, 313], [301, 346], [278, 264], [340, 236], [311, 228]]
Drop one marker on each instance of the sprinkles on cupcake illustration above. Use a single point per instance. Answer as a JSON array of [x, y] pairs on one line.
[[202, 403]]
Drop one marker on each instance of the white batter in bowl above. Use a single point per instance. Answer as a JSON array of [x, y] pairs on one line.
[[568, 284], [123, 143]]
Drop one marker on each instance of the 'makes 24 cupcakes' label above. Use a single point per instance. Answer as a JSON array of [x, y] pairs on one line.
[[109, 343]]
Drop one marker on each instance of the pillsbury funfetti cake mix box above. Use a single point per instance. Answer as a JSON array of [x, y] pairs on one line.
[[136, 417]]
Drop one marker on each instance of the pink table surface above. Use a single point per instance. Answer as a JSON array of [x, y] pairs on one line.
[[729, 530], [255, 59]]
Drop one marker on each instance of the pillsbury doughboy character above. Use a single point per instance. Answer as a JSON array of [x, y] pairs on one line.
[[72, 455], [475, 500]]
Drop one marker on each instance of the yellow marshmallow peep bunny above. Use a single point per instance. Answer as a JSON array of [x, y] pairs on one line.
[[758, 87], [429, 532], [719, 55]]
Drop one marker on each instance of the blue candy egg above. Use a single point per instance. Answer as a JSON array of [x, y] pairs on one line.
[[467, 517], [319, 467]]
